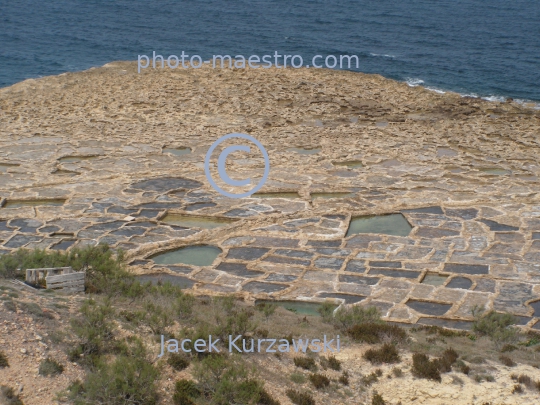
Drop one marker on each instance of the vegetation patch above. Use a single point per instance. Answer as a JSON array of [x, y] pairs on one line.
[[497, 326], [344, 378], [305, 362], [8, 396], [369, 379], [130, 377], [507, 361], [462, 367], [377, 399], [105, 270], [298, 378], [228, 380], [397, 372], [346, 318], [388, 353], [526, 381], [10, 305], [330, 362], [423, 367], [185, 392], [50, 367], [373, 332], [3, 360], [300, 397], [447, 359], [34, 309], [319, 381], [508, 348], [178, 361]]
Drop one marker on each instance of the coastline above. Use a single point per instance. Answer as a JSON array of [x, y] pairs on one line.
[[410, 81]]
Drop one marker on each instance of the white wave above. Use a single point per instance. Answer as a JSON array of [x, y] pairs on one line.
[[528, 103], [383, 55], [436, 90], [472, 95], [414, 82], [499, 99]]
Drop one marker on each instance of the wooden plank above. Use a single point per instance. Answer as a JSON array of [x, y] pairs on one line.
[[65, 284], [65, 277], [33, 275], [73, 289], [18, 282], [70, 289], [52, 268], [59, 286]]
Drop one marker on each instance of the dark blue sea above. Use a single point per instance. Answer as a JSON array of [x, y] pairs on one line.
[[480, 47]]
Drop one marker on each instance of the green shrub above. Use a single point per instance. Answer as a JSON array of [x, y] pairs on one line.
[[307, 363], [432, 329], [128, 379], [533, 339], [327, 312], [386, 354], [319, 381], [425, 368], [94, 330], [267, 308], [376, 333], [200, 331], [210, 370], [3, 360], [300, 398], [10, 306], [34, 309], [50, 367], [8, 396], [157, 317], [185, 391], [377, 399], [133, 317], [370, 379], [231, 319], [266, 399], [346, 318], [298, 378], [183, 306], [330, 362], [226, 379], [498, 326], [178, 361]]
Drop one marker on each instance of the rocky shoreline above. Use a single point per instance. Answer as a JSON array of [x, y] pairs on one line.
[[90, 157]]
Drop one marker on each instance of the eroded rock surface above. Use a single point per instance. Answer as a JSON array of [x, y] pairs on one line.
[[86, 158]]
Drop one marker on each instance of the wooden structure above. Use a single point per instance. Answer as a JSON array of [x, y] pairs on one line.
[[57, 278]]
